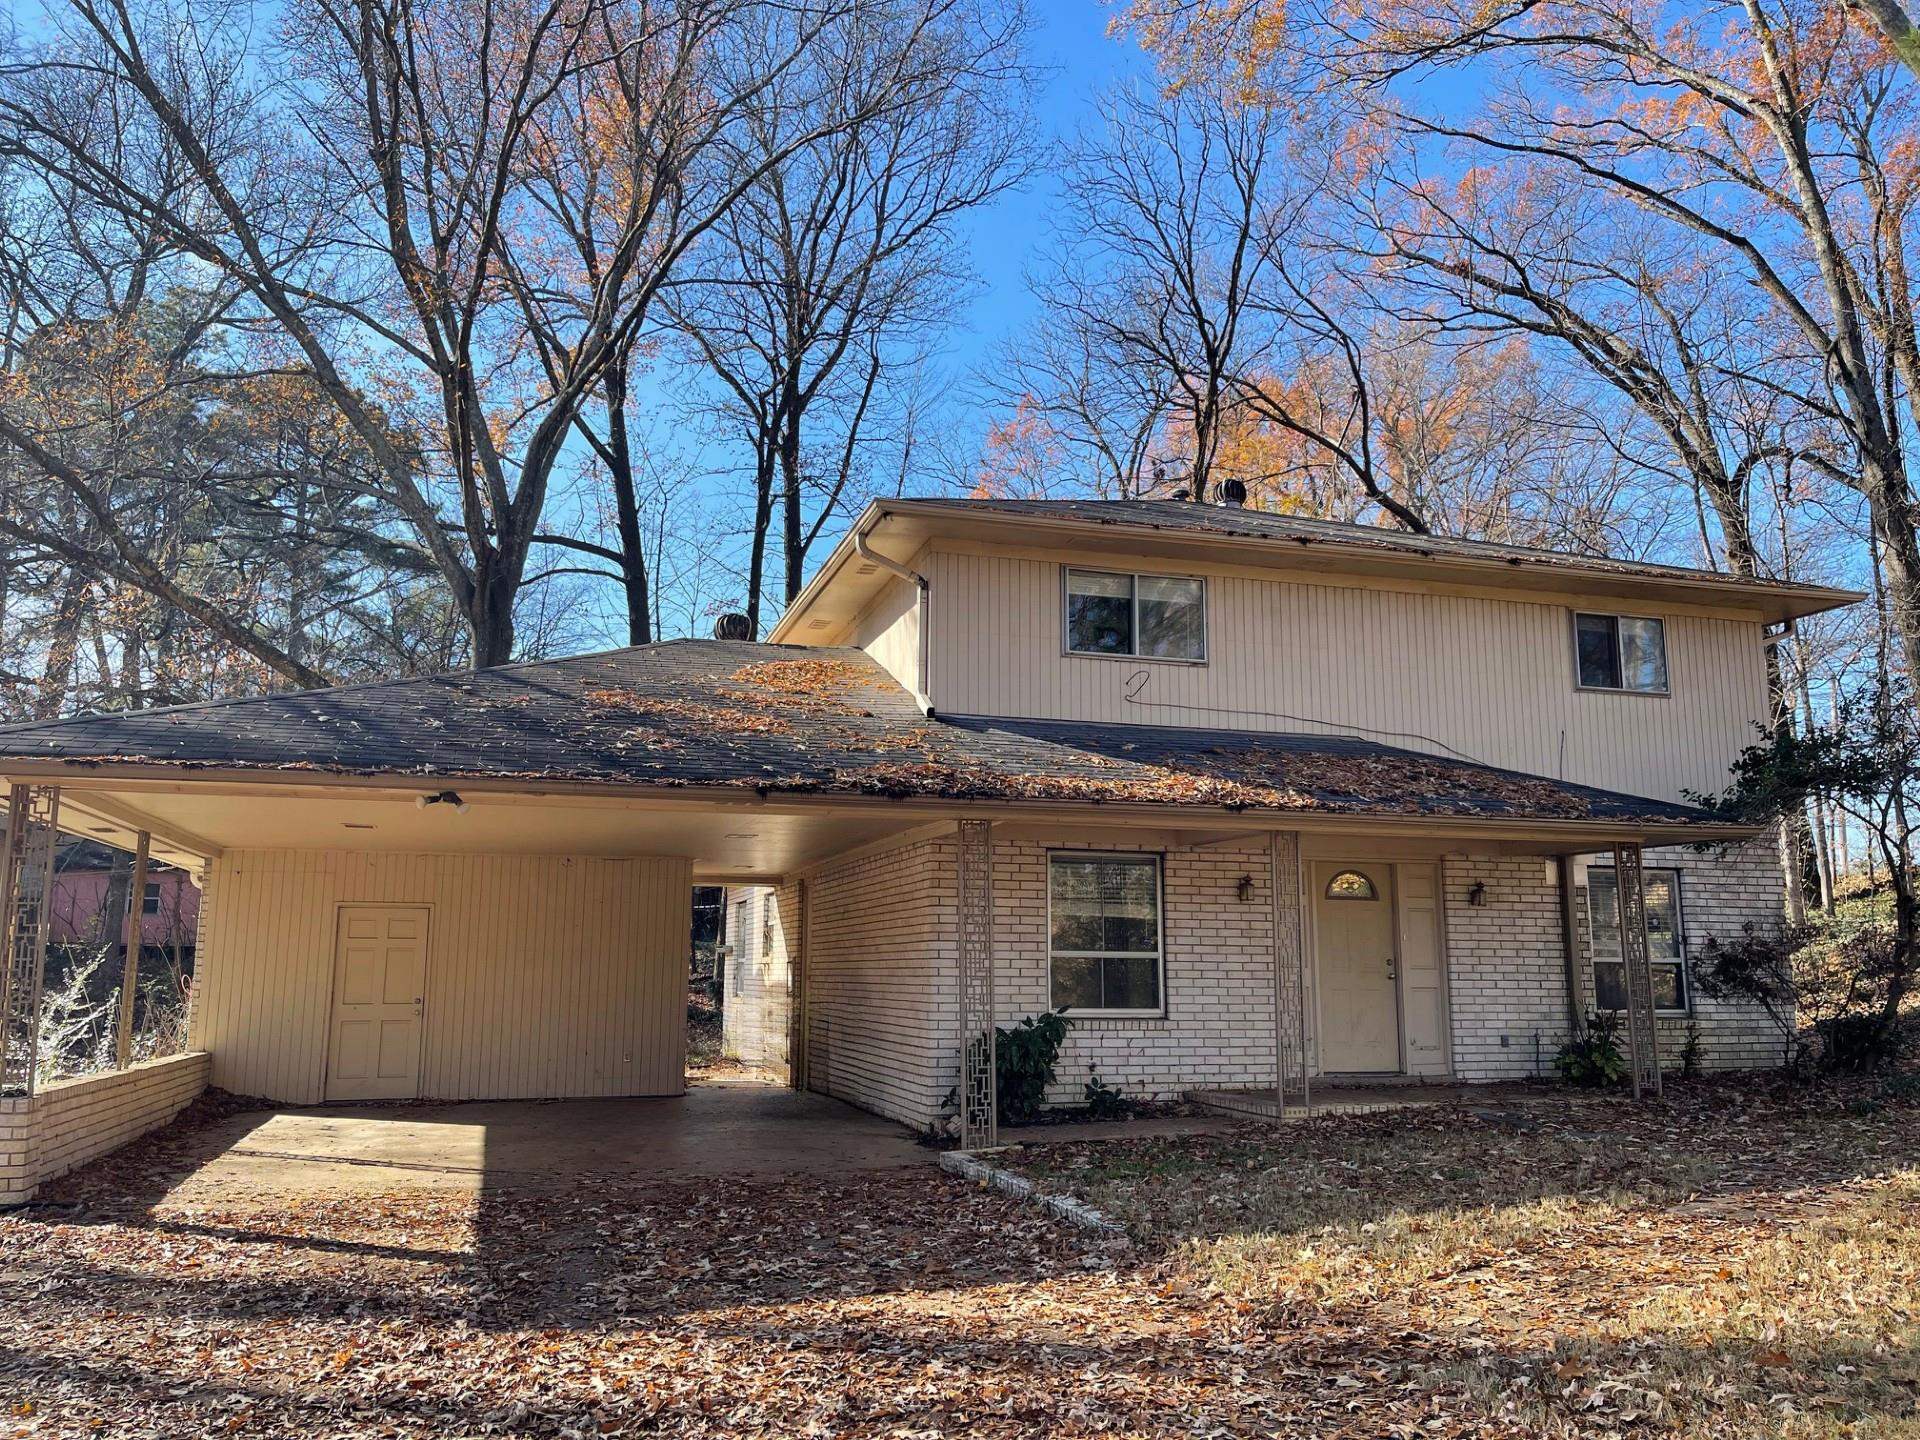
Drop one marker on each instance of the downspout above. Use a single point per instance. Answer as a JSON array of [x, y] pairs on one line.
[[1570, 948], [919, 581]]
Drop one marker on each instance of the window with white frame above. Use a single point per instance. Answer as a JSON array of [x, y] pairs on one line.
[[150, 898], [1104, 933], [1620, 652], [1152, 617], [1666, 940]]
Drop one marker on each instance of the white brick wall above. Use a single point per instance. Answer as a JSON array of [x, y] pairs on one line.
[[70, 1122], [1721, 891], [1506, 966], [884, 1017], [883, 1014], [1218, 1026]]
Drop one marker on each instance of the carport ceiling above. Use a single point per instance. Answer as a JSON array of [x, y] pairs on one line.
[[733, 842]]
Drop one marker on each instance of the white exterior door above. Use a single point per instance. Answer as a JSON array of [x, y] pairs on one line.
[[379, 995], [1359, 989]]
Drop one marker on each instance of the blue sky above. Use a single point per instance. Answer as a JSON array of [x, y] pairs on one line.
[[1072, 41]]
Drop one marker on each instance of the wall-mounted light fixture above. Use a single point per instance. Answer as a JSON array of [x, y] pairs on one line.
[[442, 797], [1478, 894], [1245, 887]]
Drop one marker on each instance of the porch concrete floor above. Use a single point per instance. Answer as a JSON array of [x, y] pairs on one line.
[[724, 1127], [1342, 1098]]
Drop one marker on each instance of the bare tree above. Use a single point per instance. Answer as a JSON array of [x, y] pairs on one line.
[[1156, 261], [813, 307], [372, 183]]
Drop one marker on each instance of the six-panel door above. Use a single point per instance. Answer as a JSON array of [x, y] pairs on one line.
[[379, 997]]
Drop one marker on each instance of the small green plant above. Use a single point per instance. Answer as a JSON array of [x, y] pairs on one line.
[[1594, 1059], [1693, 1054], [1104, 1102], [1024, 1059]]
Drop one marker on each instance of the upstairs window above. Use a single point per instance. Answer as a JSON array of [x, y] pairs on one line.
[[1666, 950], [1154, 617], [1621, 652]]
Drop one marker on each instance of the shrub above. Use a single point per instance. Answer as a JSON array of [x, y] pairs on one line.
[[1104, 1102], [1024, 1059], [1692, 1060], [1825, 985], [1594, 1058]]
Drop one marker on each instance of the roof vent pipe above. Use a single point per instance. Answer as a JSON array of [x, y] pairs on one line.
[[732, 627], [1233, 493]]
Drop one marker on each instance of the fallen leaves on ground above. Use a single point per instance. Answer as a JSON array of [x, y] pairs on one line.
[[1736, 1260], [1419, 1274]]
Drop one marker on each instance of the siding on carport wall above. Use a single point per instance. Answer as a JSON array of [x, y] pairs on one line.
[[547, 976]]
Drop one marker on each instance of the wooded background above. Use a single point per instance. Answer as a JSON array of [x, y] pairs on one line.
[[342, 339]]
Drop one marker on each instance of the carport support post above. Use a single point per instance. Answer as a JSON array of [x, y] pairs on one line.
[[979, 1105], [1642, 1041], [130, 975], [26, 890]]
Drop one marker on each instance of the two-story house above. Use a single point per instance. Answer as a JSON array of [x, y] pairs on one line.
[[1252, 797]]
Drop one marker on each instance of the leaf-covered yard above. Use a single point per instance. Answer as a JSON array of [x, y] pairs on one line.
[[1735, 1261], [1721, 1265]]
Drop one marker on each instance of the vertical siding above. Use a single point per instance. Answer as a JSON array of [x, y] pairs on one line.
[[889, 630], [757, 1005], [546, 975], [1491, 678]]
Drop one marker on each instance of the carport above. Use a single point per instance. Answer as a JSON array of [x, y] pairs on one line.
[[738, 1128]]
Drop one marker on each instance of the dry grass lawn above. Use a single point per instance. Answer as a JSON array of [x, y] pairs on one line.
[[1738, 1260], [1722, 1265]]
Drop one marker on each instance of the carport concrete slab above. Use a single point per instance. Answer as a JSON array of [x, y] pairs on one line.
[[716, 1128]]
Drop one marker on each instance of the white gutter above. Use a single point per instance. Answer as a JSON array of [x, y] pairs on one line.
[[919, 581]]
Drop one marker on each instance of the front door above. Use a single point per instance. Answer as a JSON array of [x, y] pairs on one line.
[[1359, 992], [379, 992]]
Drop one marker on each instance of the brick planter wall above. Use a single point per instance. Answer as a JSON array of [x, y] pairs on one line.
[[69, 1122]]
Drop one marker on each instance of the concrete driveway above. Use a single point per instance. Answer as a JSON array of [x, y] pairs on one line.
[[719, 1127]]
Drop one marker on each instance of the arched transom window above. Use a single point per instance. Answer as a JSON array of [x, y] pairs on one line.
[[1351, 885]]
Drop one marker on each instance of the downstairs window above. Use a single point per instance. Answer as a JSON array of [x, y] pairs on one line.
[[1666, 951], [1103, 926]]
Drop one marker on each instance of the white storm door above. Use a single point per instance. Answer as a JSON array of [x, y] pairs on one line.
[[379, 995], [1359, 989]]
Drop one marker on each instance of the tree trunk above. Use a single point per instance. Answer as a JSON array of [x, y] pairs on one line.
[[792, 545], [63, 646], [1892, 514], [762, 522], [490, 614], [633, 555]]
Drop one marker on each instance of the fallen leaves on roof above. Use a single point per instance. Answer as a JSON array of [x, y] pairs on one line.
[[809, 686], [692, 715]]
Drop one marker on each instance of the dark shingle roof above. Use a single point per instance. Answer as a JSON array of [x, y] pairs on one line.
[[787, 718], [1185, 515]]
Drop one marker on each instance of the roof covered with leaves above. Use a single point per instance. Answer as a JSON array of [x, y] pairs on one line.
[[778, 718]]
